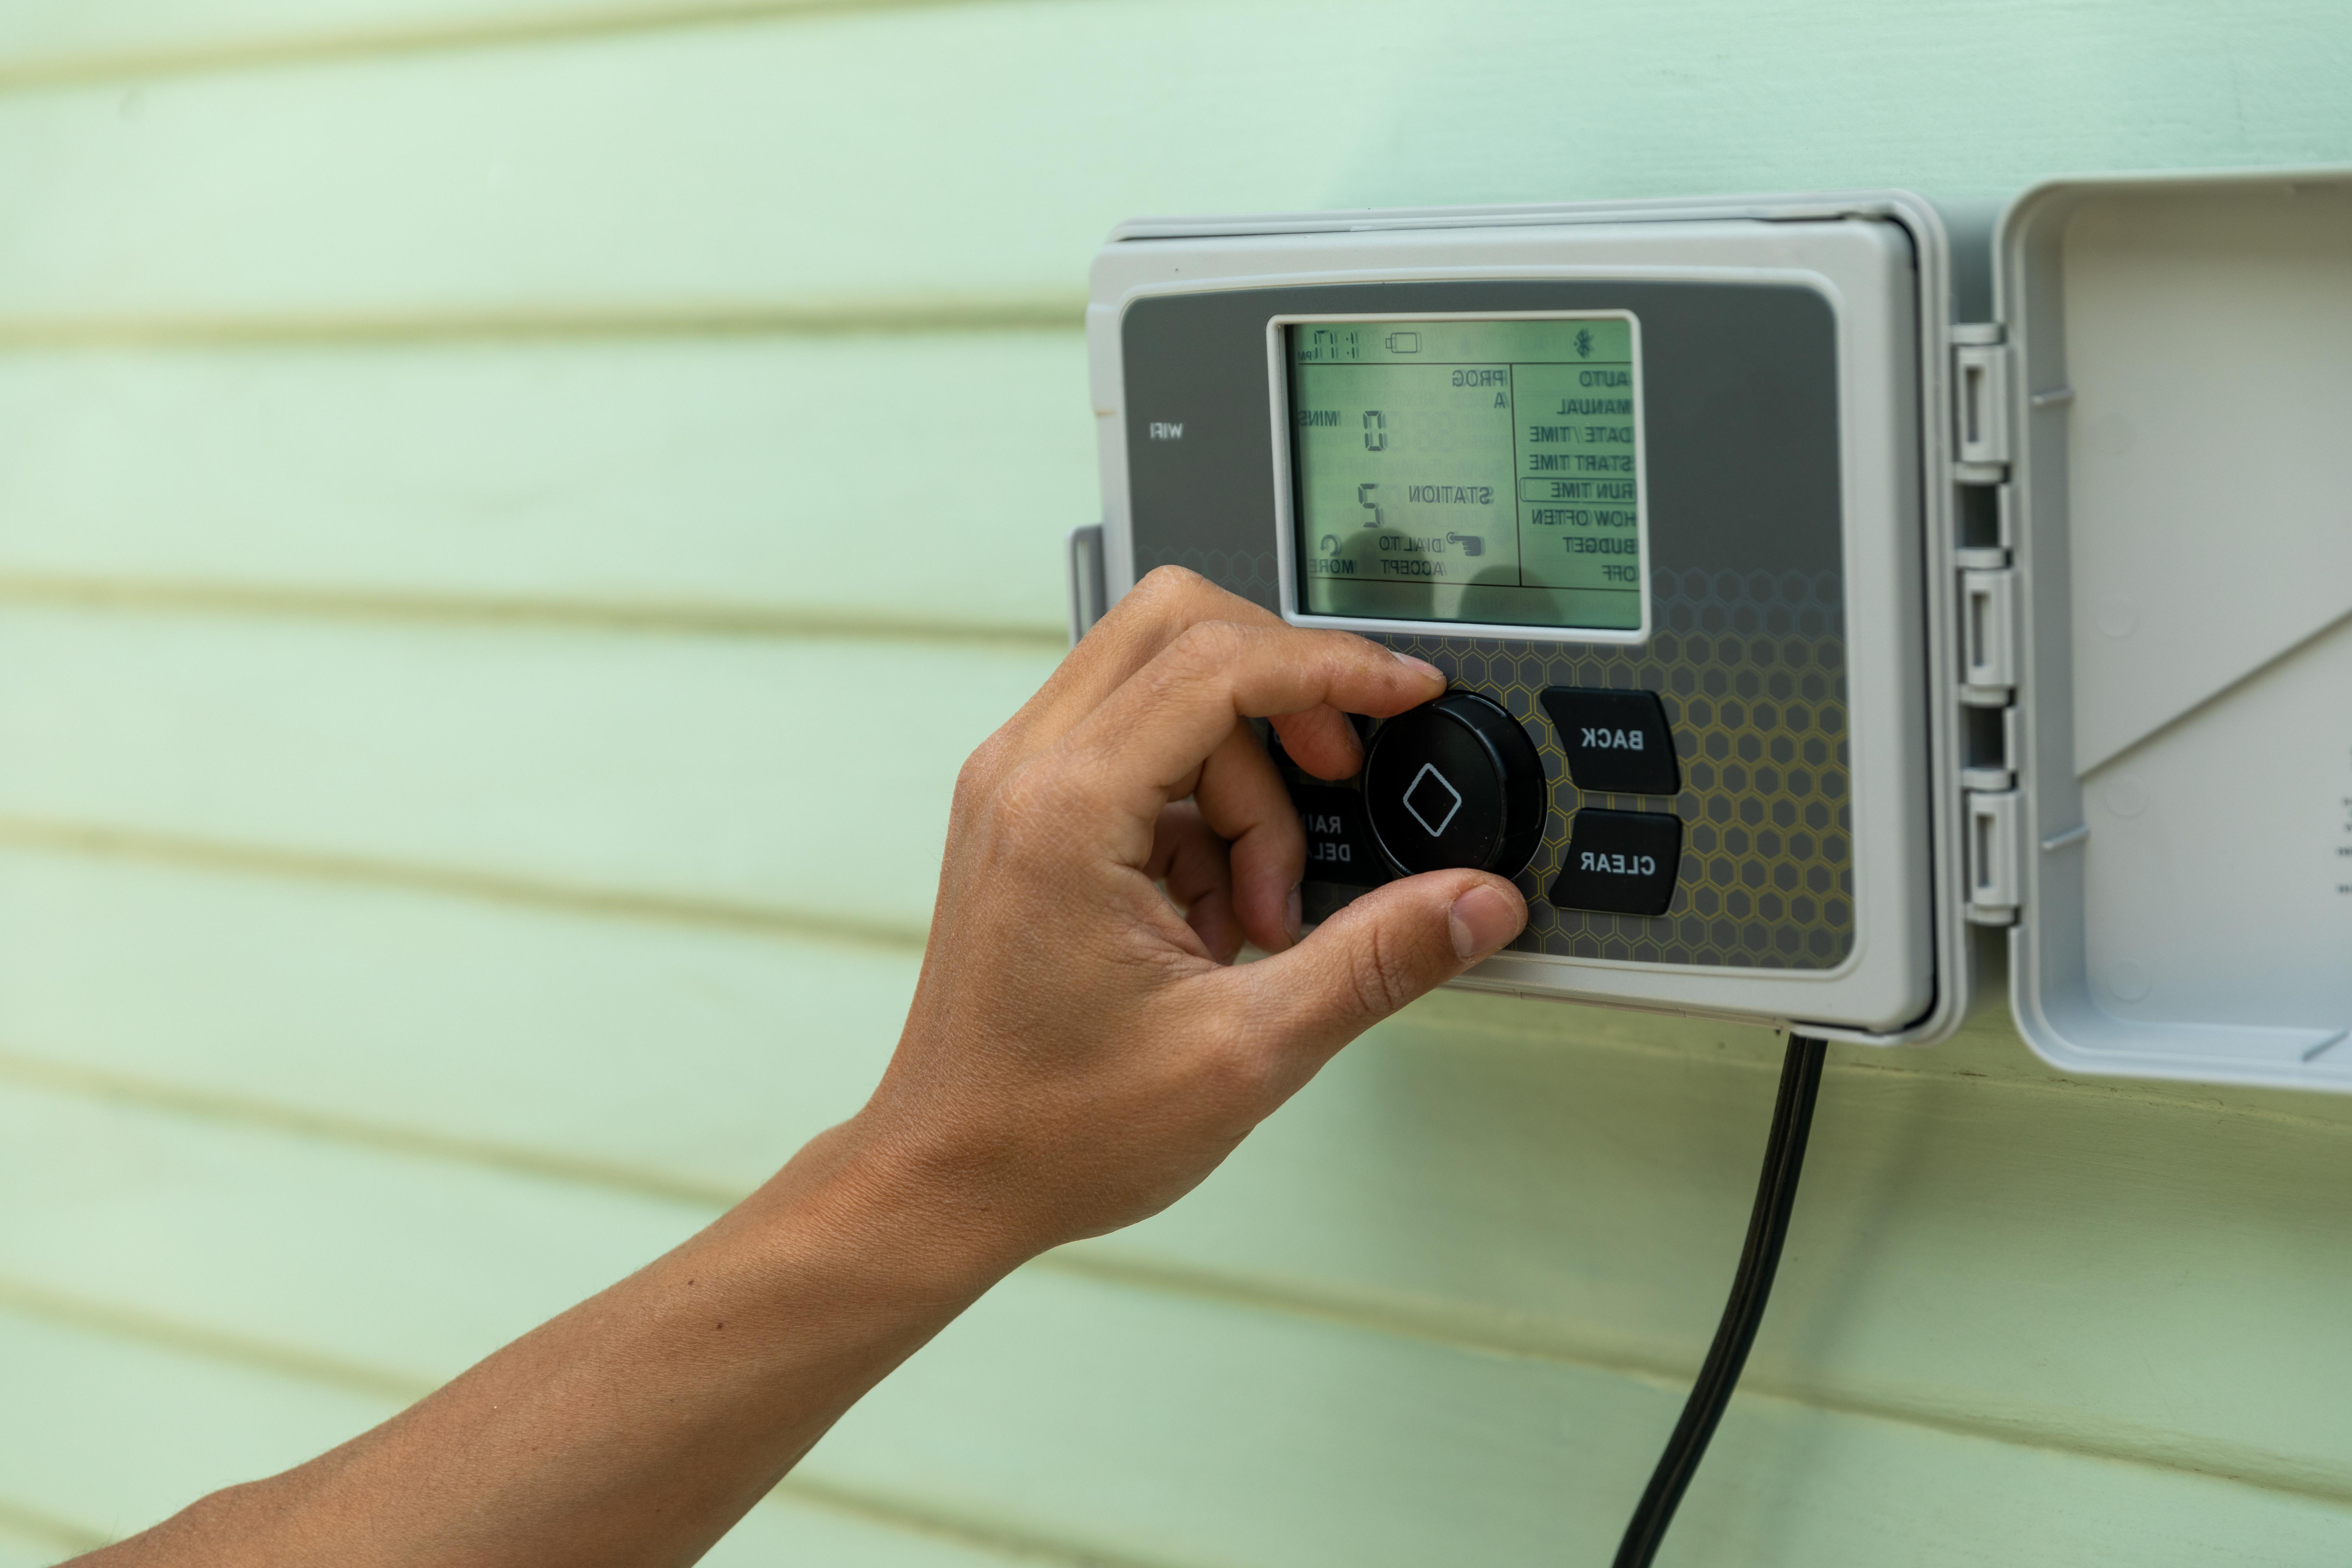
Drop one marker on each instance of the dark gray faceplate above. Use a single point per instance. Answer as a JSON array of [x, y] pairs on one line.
[[1740, 421]]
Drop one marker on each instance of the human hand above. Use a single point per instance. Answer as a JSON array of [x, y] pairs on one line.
[[1079, 1054], [1081, 1051]]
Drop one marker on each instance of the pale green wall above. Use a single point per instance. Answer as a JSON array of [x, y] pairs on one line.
[[445, 851]]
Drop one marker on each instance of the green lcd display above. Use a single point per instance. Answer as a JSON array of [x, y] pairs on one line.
[[1487, 472]]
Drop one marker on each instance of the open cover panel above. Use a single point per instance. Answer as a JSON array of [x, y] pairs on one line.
[[2180, 510]]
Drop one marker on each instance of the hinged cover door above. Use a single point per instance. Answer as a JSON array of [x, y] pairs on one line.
[[2179, 432]]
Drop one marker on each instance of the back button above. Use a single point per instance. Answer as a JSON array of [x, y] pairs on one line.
[[1616, 743]]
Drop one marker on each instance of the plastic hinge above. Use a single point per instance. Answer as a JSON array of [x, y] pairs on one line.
[[1979, 405], [1987, 637], [1084, 548], [1992, 857], [1992, 775]]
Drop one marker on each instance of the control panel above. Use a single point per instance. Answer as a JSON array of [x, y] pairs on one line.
[[1648, 494]]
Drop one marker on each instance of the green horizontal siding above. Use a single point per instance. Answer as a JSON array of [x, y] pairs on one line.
[[1134, 1422], [509, 519], [721, 775], [698, 1055], [977, 153], [693, 483], [125, 1423]]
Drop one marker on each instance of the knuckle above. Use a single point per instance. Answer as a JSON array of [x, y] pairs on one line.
[[977, 778], [1206, 645], [1344, 654], [1169, 595], [1030, 802], [1382, 972], [1281, 832], [1169, 582]]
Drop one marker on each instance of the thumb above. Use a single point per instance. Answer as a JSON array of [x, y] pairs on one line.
[[1390, 946]]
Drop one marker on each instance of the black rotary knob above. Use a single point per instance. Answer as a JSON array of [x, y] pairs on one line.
[[1456, 783]]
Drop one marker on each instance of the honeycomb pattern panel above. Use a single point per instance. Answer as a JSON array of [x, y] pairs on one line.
[[1252, 573], [1751, 670]]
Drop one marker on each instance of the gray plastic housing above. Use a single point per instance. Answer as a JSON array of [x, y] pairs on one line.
[[1877, 261]]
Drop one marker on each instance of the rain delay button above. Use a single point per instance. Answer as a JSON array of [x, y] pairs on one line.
[[1454, 783]]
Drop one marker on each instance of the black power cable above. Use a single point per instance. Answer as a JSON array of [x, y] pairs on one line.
[[1768, 1227]]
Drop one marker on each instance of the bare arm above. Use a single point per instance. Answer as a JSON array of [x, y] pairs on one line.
[[1080, 1053]]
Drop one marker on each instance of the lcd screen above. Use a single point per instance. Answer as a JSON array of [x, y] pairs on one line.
[[1487, 472]]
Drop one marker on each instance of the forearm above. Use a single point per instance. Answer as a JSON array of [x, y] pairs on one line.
[[638, 1427], [1079, 1054]]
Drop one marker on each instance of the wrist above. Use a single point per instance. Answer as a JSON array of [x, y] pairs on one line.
[[914, 1226]]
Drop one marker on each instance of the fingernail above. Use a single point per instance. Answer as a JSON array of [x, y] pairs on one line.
[[1421, 665], [1293, 914], [1482, 920]]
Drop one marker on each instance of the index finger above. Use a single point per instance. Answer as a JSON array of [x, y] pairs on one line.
[[1144, 744], [1169, 600]]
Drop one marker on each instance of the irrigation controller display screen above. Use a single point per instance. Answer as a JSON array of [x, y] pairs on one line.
[[1479, 471]]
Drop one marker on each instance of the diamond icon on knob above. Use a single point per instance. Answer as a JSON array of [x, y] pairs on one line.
[[1430, 794]]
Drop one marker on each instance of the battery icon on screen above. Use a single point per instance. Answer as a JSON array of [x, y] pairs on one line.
[[1405, 342]]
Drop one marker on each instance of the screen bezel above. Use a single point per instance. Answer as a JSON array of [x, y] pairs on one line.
[[1286, 488]]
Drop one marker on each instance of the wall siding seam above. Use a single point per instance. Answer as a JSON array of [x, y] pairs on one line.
[[778, 623], [1008, 1541], [1488, 1332], [1886, 1069], [27, 1070], [819, 318], [29, 1523], [88, 1315], [110, 1320], [106, 841], [72, 69], [1455, 1326], [2200, 1103]]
